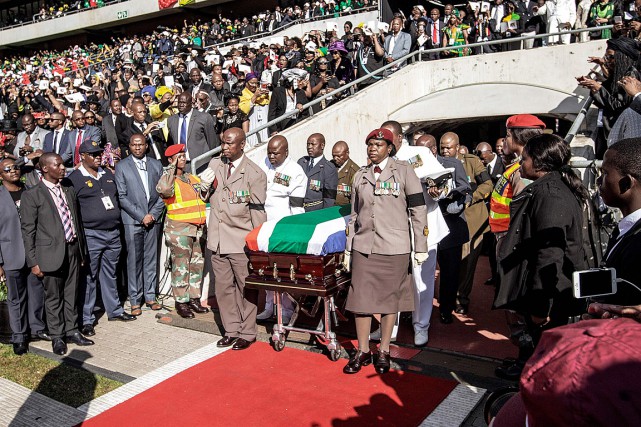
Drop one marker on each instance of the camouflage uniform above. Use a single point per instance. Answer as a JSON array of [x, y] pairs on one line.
[[185, 243]]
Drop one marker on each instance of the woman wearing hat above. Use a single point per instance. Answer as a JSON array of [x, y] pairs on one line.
[[455, 35], [185, 231], [341, 66], [386, 194], [289, 98], [254, 101]]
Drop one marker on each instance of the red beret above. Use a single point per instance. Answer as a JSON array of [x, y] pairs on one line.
[[381, 133], [174, 149], [524, 121]]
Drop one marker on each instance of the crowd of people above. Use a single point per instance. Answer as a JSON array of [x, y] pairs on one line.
[[130, 137], [49, 10]]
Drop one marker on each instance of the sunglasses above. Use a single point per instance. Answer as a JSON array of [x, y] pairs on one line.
[[322, 62], [98, 154], [335, 52], [11, 168], [90, 117]]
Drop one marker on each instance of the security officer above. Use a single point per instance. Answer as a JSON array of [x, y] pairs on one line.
[[346, 171], [286, 186], [237, 207], [95, 189], [475, 214], [185, 229], [322, 175]]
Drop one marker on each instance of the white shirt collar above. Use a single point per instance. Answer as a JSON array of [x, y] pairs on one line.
[[383, 163], [493, 162], [85, 172], [315, 160], [628, 222], [236, 162]]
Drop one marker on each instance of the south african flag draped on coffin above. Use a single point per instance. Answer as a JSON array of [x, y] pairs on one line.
[[319, 232]]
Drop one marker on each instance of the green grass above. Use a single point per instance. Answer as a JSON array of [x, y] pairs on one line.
[[66, 384]]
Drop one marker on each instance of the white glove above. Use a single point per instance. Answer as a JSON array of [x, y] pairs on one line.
[[347, 261], [420, 257], [455, 208], [207, 178]]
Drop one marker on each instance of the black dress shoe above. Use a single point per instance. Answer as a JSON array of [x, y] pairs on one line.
[[461, 309], [59, 346], [194, 305], [41, 335], [182, 308], [382, 362], [124, 317], [78, 339], [242, 344], [446, 318], [358, 360], [88, 330], [20, 348], [510, 372], [226, 341]]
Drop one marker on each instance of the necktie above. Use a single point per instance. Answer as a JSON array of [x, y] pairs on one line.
[[377, 169], [56, 143], [231, 166], [76, 156], [310, 165], [183, 130], [142, 165], [434, 33], [27, 140], [66, 214]]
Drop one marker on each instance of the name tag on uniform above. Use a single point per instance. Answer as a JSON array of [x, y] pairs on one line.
[[344, 190], [240, 196], [314, 185], [387, 188], [416, 161], [107, 202], [282, 179]]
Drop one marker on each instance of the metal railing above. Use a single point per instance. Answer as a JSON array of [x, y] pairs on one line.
[[70, 12], [382, 73]]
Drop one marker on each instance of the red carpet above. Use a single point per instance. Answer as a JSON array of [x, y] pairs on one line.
[[262, 387]]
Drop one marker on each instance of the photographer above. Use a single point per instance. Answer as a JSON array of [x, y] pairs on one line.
[[231, 116]]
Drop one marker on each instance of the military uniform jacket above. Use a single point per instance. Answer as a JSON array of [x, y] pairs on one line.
[[378, 223], [480, 181], [286, 186], [346, 179], [322, 181], [237, 205]]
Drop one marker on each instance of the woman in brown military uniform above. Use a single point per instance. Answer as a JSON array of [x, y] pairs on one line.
[[386, 193]]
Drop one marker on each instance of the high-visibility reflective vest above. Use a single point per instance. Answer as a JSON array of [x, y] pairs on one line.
[[186, 205], [501, 199]]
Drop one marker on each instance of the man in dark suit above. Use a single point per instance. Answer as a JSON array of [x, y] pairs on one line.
[[54, 247], [495, 168], [56, 141], [141, 123], [620, 187], [193, 128], [25, 292], [346, 169], [322, 176], [196, 83], [113, 124], [141, 209], [81, 133], [434, 29]]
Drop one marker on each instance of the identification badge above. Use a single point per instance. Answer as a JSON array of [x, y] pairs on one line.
[[416, 161], [282, 179], [107, 202], [387, 188], [240, 196], [344, 190], [314, 185]]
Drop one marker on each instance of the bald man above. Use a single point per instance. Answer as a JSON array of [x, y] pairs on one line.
[[490, 160], [237, 207], [286, 188], [346, 171], [321, 174], [476, 215]]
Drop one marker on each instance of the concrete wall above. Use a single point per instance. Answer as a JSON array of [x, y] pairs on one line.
[[537, 81]]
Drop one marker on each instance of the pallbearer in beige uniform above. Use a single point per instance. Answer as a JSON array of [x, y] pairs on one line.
[[237, 206], [385, 194]]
